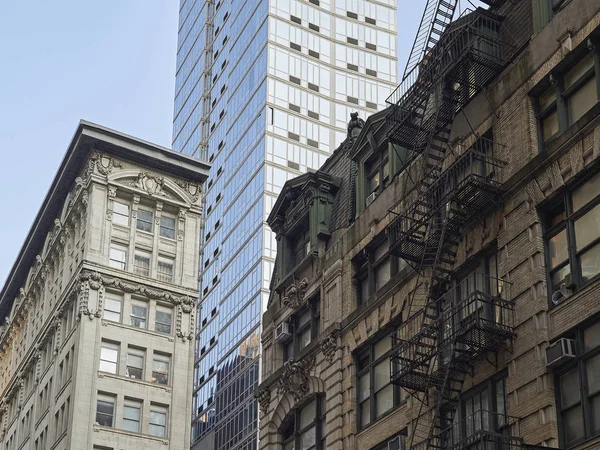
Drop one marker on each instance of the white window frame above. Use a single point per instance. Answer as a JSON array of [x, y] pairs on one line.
[[112, 257], [112, 347], [161, 357], [157, 409], [138, 221], [163, 227], [119, 217], [112, 399], [136, 353], [116, 298], [139, 269], [164, 276], [130, 404], [133, 317], [164, 310]]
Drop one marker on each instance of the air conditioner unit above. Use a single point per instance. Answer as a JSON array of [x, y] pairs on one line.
[[562, 293], [371, 198], [283, 332], [394, 444], [560, 352]]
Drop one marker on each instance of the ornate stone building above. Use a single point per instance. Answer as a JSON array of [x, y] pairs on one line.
[[437, 280], [98, 311]]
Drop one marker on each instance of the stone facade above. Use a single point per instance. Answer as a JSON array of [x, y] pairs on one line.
[[98, 346], [351, 324]]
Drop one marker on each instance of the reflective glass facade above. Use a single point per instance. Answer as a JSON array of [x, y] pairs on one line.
[[264, 91]]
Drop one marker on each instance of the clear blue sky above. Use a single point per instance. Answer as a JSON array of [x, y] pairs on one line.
[[110, 62]]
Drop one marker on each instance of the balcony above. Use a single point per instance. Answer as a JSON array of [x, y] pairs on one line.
[[465, 190]]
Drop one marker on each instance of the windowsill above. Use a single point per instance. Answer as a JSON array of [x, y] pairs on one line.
[[556, 310], [60, 438], [106, 322], [44, 414], [147, 233], [97, 427], [589, 444], [165, 387]]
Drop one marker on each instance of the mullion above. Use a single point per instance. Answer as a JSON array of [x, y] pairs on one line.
[[578, 84]]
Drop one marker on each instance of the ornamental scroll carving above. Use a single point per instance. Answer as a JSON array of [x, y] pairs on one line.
[[294, 294], [329, 346], [96, 281], [295, 377], [103, 164], [193, 190], [264, 399]]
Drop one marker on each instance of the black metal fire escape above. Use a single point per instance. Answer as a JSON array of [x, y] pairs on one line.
[[445, 334]]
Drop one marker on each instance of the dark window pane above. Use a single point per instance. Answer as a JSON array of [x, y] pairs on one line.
[[569, 388], [550, 126], [384, 399], [591, 337], [582, 101], [593, 374], [587, 228], [558, 249], [573, 420], [595, 407], [590, 263], [586, 192]]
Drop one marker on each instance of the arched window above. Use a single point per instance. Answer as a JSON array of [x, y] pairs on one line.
[[305, 427]]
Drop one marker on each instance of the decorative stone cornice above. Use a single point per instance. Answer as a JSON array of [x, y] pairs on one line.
[[329, 345], [294, 294], [103, 164], [295, 377], [193, 190], [97, 280], [264, 399]]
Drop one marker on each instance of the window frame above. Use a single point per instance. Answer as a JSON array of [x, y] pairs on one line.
[[163, 310], [366, 267], [113, 346], [162, 358], [562, 95], [132, 317], [157, 409], [141, 270], [165, 276], [162, 227], [120, 265], [139, 220], [116, 215], [564, 205], [132, 404], [367, 352], [117, 299], [137, 353], [295, 420], [292, 347], [579, 365], [106, 399]]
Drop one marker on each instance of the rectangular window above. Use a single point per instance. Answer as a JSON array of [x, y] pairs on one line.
[[164, 270], [160, 369], [131, 415], [105, 410], [376, 394], [305, 328], [167, 227], [109, 357], [120, 214], [573, 238], [141, 263], [144, 220], [158, 421], [135, 363], [139, 313], [118, 256], [162, 323], [578, 390], [112, 307], [577, 91]]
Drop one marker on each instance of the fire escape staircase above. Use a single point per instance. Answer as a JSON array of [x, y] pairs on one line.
[[437, 346]]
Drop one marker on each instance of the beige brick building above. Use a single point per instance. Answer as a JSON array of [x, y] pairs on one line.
[[97, 341], [437, 280]]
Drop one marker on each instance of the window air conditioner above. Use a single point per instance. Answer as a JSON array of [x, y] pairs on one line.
[[560, 352], [394, 444], [283, 332], [371, 198]]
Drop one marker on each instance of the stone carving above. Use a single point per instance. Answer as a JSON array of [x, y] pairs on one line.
[[96, 281], [112, 192], [295, 377], [329, 346], [355, 125], [193, 190], [149, 183], [104, 164], [264, 399], [294, 294]]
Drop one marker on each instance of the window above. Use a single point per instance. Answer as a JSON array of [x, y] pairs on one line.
[[144, 220], [109, 356], [397, 442], [165, 270], [573, 236], [481, 409], [375, 268], [567, 99], [158, 421], [376, 394], [305, 428], [301, 244], [162, 324], [305, 328], [160, 369], [105, 410], [118, 256], [141, 263], [167, 227], [138, 314], [112, 307], [578, 390], [120, 214], [131, 415], [135, 363]]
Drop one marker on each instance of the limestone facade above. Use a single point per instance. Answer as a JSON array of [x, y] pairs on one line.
[[98, 312], [354, 319]]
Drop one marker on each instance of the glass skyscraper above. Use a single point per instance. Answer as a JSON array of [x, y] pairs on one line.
[[264, 91]]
